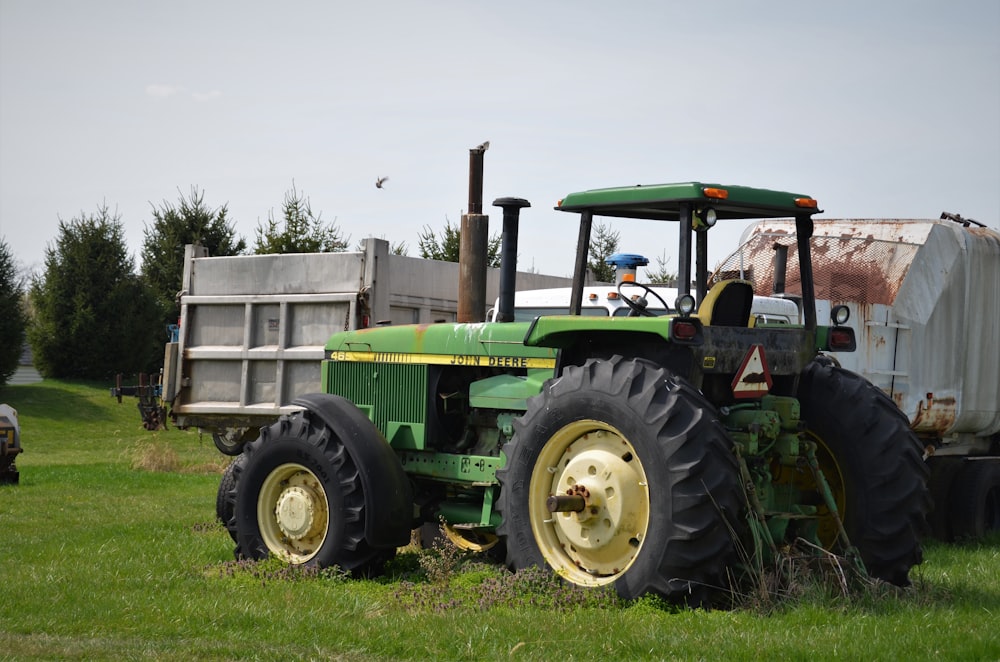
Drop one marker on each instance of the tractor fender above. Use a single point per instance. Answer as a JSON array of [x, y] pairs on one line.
[[388, 495]]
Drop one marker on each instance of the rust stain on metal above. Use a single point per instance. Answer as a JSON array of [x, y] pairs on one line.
[[986, 233], [850, 264], [935, 414]]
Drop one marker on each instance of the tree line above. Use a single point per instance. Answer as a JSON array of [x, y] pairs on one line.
[[91, 314]]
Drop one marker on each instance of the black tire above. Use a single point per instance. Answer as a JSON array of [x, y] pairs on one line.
[[225, 498], [975, 500], [943, 470], [232, 442], [225, 446], [298, 466], [624, 422], [873, 463]]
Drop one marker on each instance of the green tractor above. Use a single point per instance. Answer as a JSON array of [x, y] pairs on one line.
[[654, 454]]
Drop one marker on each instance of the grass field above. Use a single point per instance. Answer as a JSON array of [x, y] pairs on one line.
[[109, 550]]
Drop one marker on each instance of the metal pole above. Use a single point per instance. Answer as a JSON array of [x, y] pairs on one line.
[[473, 245], [472, 268], [580, 270], [803, 233], [780, 267], [701, 263], [684, 252], [476, 180]]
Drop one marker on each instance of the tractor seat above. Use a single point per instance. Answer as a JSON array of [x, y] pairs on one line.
[[728, 303]]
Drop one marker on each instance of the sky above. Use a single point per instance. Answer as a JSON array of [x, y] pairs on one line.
[[879, 109]]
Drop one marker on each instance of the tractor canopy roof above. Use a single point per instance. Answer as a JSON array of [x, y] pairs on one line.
[[664, 202]]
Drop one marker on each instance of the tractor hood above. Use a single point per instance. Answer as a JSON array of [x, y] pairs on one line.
[[563, 330], [486, 344]]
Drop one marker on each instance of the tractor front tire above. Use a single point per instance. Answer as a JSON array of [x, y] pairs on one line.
[[657, 472], [873, 463], [299, 497]]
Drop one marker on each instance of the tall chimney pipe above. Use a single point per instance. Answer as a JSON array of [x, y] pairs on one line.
[[780, 267], [473, 244], [508, 255], [476, 180]]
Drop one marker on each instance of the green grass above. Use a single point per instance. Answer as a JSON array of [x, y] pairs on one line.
[[103, 558]]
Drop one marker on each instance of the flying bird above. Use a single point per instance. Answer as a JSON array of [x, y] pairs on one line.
[[380, 181]]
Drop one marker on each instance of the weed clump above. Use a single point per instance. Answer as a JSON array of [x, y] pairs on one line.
[[447, 578], [156, 456], [805, 574], [160, 456], [214, 526], [273, 569], [540, 588]]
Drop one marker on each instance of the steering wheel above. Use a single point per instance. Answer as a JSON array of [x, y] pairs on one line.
[[638, 309]]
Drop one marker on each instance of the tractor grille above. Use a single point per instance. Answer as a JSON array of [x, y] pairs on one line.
[[393, 392]]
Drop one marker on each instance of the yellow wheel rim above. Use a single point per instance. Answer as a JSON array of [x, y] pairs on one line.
[[598, 544], [803, 481], [293, 513], [827, 530]]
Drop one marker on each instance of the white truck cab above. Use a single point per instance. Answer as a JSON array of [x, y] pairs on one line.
[[605, 301]]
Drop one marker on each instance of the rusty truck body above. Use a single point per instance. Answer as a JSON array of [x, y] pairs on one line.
[[925, 306]]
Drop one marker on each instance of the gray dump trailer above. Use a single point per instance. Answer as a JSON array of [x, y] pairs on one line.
[[252, 328]]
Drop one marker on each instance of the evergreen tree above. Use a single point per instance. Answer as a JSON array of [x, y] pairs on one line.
[[93, 316], [396, 249], [13, 322], [662, 275], [299, 230], [603, 244], [190, 221], [447, 245]]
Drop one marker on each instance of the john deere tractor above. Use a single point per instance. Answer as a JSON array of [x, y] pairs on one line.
[[655, 454]]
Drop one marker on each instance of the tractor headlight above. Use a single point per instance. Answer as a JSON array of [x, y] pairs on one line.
[[685, 304], [840, 314], [705, 218]]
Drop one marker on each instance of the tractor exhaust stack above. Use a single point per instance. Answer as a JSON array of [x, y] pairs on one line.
[[508, 255], [474, 233]]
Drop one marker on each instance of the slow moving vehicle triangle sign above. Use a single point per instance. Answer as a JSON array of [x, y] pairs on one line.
[[753, 379]]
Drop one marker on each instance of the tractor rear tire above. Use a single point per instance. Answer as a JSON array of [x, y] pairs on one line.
[[299, 497], [664, 500], [873, 463], [975, 500]]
